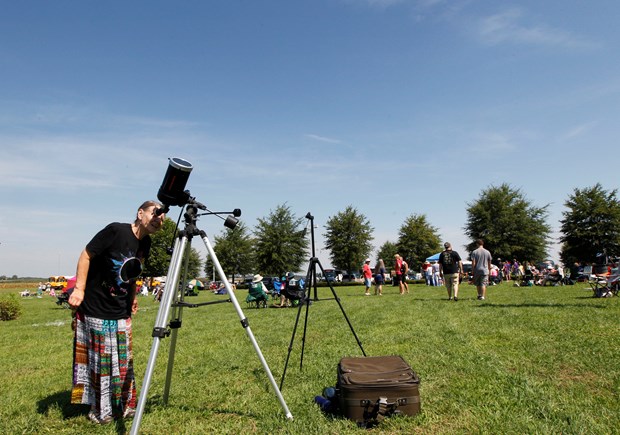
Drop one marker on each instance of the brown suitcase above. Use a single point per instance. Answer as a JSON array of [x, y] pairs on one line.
[[372, 388]]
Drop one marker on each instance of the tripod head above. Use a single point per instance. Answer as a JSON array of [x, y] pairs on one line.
[[173, 192]]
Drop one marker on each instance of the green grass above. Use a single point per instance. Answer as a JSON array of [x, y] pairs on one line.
[[527, 360]]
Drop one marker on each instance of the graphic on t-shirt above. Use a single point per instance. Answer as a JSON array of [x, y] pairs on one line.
[[447, 259], [124, 272]]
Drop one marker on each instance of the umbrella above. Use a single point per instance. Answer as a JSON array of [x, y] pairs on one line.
[[434, 257], [196, 283]]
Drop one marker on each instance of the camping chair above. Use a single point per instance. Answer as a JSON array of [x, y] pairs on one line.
[[567, 277], [553, 279], [294, 292], [599, 287], [256, 295], [585, 274], [528, 278], [277, 287], [605, 286]]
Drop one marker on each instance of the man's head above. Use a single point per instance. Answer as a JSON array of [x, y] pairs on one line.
[[480, 242], [147, 217], [448, 246]]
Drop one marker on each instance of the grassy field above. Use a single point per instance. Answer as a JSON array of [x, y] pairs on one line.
[[527, 360]]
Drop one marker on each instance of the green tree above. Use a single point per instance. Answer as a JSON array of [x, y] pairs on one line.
[[591, 225], [386, 252], [348, 238], [159, 258], [509, 224], [280, 242], [417, 240], [234, 249]]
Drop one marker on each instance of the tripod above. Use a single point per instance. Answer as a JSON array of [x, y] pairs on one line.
[[172, 291], [311, 280]]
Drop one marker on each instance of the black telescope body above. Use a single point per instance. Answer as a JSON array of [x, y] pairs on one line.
[[172, 190]]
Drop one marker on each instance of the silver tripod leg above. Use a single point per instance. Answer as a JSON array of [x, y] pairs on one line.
[[176, 315], [160, 330], [161, 322], [246, 326]]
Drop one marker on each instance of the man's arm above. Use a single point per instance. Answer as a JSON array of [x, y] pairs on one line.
[[77, 296]]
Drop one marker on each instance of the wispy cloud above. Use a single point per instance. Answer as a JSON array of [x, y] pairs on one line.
[[492, 142], [383, 3], [322, 138], [510, 27], [579, 130]]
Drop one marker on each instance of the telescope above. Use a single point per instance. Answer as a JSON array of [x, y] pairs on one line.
[[172, 190]]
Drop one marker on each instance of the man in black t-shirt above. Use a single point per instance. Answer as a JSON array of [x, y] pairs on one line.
[[103, 300], [450, 268]]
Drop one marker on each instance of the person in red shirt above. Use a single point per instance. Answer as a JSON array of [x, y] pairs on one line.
[[398, 277], [367, 276]]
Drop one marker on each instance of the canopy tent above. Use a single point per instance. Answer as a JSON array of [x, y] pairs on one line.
[[196, 283], [434, 257]]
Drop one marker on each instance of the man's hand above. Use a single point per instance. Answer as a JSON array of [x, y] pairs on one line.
[[76, 298], [134, 306]]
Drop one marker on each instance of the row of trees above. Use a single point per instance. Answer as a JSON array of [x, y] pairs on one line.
[[510, 225]]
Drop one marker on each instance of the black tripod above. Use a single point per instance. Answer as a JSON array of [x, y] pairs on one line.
[[311, 283], [173, 298]]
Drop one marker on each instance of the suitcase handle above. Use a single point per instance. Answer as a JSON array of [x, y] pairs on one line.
[[382, 408]]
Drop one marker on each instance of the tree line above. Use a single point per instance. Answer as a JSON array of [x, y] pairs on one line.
[[508, 222]]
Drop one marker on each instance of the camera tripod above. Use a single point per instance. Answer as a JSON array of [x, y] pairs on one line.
[[311, 282], [173, 298]]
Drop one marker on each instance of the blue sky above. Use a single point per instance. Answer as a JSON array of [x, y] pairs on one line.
[[394, 107]]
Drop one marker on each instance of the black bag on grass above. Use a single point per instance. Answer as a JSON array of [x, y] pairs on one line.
[[372, 388]]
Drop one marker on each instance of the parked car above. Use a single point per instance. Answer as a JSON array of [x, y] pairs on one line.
[[333, 275], [412, 276], [352, 277]]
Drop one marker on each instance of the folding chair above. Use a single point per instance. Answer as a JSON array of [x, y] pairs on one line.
[[601, 287], [256, 295]]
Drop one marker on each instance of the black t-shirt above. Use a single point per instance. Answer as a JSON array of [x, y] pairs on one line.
[[449, 261], [117, 256]]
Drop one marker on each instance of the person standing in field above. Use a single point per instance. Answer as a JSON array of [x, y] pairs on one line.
[[481, 267], [367, 272], [398, 273], [379, 277], [403, 273], [103, 301], [450, 268]]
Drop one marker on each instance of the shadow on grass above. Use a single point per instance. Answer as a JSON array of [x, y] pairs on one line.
[[540, 305], [157, 402], [62, 401]]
